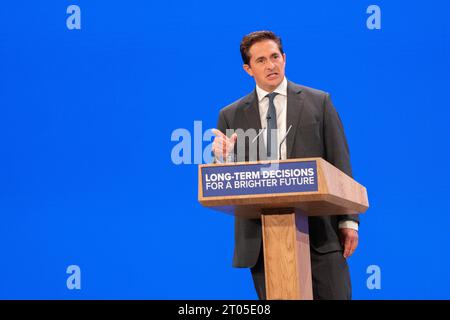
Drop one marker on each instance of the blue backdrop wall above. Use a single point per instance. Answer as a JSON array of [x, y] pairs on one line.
[[87, 177]]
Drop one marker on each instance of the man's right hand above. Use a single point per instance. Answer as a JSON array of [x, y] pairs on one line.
[[222, 145]]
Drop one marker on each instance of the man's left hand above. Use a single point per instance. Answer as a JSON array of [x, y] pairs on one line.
[[349, 241]]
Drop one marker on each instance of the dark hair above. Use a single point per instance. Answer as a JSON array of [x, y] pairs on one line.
[[257, 36]]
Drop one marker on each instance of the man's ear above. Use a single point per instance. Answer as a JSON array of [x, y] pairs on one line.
[[248, 69]]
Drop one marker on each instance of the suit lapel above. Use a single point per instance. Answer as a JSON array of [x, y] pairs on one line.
[[294, 110], [251, 111], [252, 115]]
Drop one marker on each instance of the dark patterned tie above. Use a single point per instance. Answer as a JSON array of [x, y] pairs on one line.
[[271, 126]]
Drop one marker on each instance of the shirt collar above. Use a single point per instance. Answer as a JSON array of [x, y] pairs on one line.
[[281, 89]]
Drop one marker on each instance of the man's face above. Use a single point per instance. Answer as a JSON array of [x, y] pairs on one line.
[[266, 64]]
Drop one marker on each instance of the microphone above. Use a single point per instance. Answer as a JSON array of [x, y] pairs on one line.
[[260, 132], [282, 140]]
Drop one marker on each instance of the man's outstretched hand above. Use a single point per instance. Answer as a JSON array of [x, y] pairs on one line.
[[222, 145]]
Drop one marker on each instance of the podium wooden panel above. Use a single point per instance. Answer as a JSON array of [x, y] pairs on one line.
[[284, 218], [287, 261]]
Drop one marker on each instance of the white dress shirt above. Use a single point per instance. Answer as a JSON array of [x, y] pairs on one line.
[[280, 102]]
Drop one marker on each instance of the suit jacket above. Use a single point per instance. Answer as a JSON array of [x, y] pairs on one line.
[[316, 131]]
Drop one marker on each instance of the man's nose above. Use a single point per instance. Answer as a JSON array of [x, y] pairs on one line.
[[270, 65]]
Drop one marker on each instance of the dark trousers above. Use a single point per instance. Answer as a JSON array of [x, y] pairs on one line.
[[330, 276]]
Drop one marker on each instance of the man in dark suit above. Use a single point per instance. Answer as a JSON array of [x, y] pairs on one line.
[[315, 131]]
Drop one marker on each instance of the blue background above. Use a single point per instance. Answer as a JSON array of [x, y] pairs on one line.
[[86, 118]]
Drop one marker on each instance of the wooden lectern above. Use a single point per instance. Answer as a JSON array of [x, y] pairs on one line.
[[283, 194]]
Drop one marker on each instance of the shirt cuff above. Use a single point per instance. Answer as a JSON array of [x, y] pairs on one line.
[[349, 224]]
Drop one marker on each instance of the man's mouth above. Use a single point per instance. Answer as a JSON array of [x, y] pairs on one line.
[[272, 75]]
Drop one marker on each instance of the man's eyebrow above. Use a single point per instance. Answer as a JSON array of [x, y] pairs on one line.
[[262, 57]]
